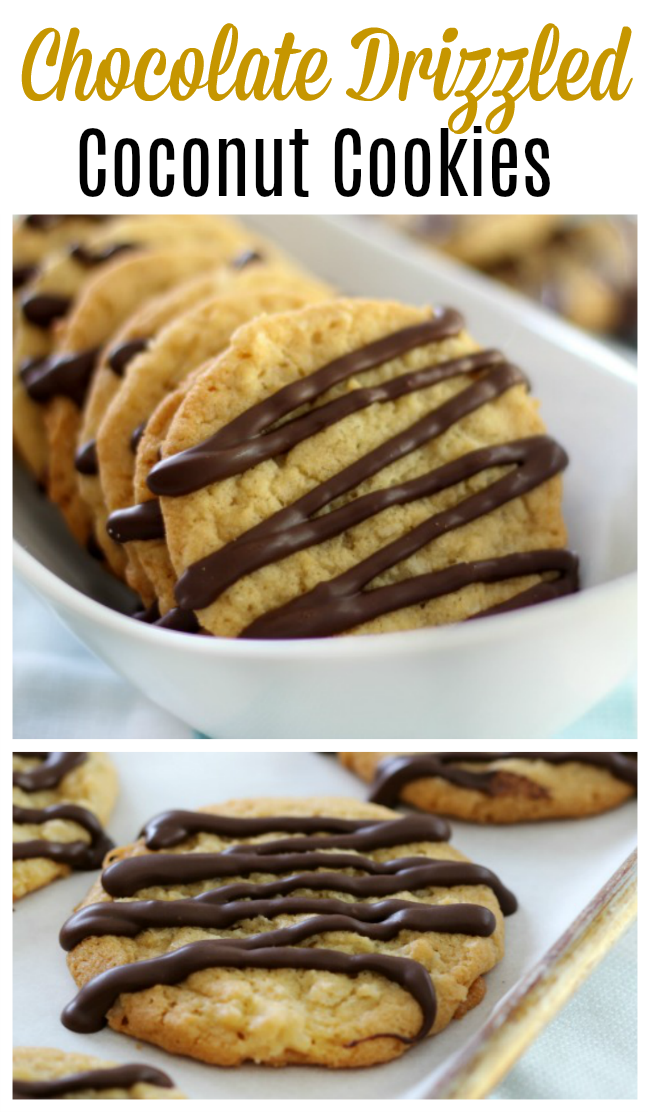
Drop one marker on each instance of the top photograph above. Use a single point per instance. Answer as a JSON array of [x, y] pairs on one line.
[[325, 477]]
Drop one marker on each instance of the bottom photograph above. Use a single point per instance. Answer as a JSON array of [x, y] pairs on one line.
[[188, 923]]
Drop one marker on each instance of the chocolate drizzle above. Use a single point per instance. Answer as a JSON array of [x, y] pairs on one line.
[[125, 878], [99, 1080], [181, 621], [50, 773], [136, 436], [247, 441], [42, 309], [318, 843], [121, 356], [245, 258], [23, 274], [394, 773], [147, 614], [47, 776], [77, 855], [85, 460], [381, 921], [142, 522], [55, 376], [89, 257], [86, 1013], [170, 828], [337, 605], [46, 223]]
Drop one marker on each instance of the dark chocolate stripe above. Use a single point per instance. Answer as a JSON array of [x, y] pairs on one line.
[[240, 444], [99, 1080], [133, 874], [87, 1012], [340, 603], [50, 773], [170, 828], [121, 356], [142, 522], [181, 621], [136, 436], [85, 460], [89, 257], [55, 376], [23, 274], [149, 614], [46, 223], [173, 827], [395, 773], [380, 921], [381, 835], [42, 309], [77, 855], [245, 258]]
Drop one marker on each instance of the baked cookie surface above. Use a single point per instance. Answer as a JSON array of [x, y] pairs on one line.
[[360, 467], [500, 787], [60, 803], [46, 1074], [318, 931]]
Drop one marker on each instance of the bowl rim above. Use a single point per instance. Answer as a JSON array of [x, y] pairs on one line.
[[498, 627]]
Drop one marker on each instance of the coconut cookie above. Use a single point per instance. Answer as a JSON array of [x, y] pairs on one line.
[[500, 787], [360, 466], [181, 348], [60, 803], [319, 931], [52, 293], [46, 1074], [119, 405]]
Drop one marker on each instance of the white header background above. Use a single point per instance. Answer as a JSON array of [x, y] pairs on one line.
[[595, 147]]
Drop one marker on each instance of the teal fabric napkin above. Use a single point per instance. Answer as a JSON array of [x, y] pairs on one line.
[[62, 691], [589, 1051]]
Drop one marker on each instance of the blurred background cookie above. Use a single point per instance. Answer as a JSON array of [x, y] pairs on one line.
[[47, 1074], [60, 803], [584, 268], [499, 787]]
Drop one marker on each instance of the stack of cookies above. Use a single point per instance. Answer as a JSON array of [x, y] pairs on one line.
[[257, 457]]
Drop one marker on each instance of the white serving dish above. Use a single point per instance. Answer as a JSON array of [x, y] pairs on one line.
[[526, 674], [574, 903]]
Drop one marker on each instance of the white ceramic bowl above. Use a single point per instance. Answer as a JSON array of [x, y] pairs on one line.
[[522, 675]]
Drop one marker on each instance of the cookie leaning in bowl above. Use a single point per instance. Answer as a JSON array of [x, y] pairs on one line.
[[319, 931], [359, 466], [45, 1074], [180, 350], [500, 787], [51, 295], [130, 346], [60, 803]]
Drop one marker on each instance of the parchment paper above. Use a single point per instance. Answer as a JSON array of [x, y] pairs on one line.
[[555, 869]]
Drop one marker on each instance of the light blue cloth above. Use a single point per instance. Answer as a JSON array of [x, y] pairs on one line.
[[589, 1052], [62, 691]]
